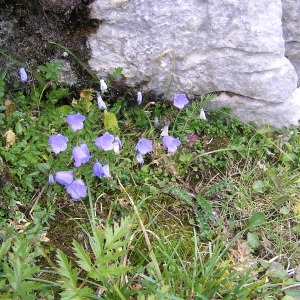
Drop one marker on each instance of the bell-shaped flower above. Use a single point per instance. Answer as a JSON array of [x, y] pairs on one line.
[[105, 141], [117, 145], [156, 122], [106, 170], [202, 114], [75, 121], [139, 98], [101, 103], [180, 100], [165, 130], [77, 189], [81, 154], [103, 86], [23, 75], [98, 169], [144, 146], [64, 177], [51, 179], [139, 158], [58, 142], [171, 143]]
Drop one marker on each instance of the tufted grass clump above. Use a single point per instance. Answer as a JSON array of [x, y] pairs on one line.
[[210, 212]]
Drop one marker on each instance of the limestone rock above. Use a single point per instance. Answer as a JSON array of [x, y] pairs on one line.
[[199, 46], [291, 32], [279, 115]]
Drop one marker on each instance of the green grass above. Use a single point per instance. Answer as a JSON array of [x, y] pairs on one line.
[[218, 219]]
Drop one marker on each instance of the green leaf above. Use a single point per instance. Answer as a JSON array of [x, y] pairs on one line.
[[257, 219], [253, 240], [43, 167], [284, 210], [84, 260], [258, 186]]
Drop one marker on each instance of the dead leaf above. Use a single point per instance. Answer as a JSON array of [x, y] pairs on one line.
[[10, 138], [43, 238], [10, 107]]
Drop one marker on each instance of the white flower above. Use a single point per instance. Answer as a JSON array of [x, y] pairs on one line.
[[156, 123], [139, 98], [165, 130], [101, 103], [103, 86], [202, 114]]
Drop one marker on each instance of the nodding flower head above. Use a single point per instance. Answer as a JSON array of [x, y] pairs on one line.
[[144, 146], [180, 100], [77, 189], [81, 155], [171, 143], [64, 177], [139, 98], [100, 101], [58, 142], [139, 158], [23, 75], [75, 121], [103, 86]]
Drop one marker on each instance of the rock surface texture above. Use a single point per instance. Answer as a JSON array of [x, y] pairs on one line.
[[204, 46]]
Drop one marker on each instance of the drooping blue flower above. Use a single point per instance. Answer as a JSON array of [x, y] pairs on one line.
[[108, 142], [51, 179], [144, 146], [171, 143], [23, 75], [98, 169], [106, 170], [180, 100], [77, 189], [105, 142], [64, 177], [103, 86], [81, 154], [139, 98], [139, 158], [58, 143], [101, 103], [76, 121]]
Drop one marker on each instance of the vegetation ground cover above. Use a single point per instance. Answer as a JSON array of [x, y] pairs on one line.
[[218, 218]]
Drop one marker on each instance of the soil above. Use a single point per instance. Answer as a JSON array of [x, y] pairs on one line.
[[27, 27]]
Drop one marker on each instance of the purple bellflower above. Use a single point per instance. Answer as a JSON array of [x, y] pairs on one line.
[[143, 146], [105, 142], [101, 103], [103, 86], [75, 121], [23, 75], [64, 177], [98, 169], [139, 98], [171, 143], [81, 155], [58, 142], [77, 189], [51, 179], [108, 142], [106, 170], [180, 100], [139, 158]]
